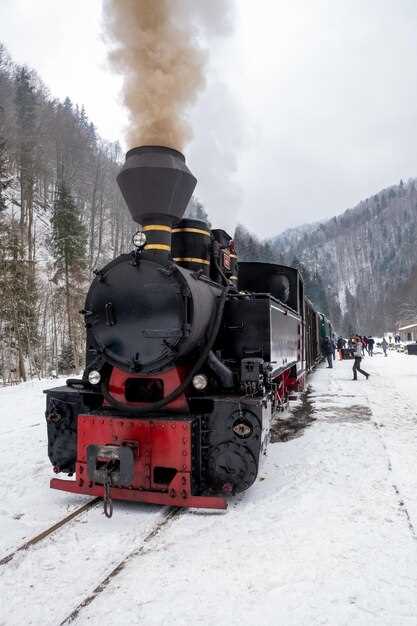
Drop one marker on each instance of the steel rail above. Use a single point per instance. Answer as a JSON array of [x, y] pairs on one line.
[[49, 531], [137, 551]]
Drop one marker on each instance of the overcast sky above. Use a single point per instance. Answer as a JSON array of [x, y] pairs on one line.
[[310, 106]]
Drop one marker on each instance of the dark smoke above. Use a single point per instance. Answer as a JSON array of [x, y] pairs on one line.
[[157, 48]]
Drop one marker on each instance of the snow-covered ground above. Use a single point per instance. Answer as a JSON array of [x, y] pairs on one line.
[[326, 536]]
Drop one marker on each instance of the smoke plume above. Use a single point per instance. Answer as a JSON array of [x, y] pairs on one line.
[[156, 46]]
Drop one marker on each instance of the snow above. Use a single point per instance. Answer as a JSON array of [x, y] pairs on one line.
[[326, 536], [26, 506]]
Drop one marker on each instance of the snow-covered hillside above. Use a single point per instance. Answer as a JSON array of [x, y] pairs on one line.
[[362, 257], [290, 237], [326, 536]]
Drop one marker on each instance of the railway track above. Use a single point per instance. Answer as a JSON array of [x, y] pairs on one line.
[[49, 531], [170, 513], [84, 557]]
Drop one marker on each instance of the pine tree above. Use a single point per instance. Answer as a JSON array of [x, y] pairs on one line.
[[26, 111], [401, 191], [68, 244], [66, 362]]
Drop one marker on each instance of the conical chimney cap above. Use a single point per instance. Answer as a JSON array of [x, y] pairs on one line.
[[156, 181]]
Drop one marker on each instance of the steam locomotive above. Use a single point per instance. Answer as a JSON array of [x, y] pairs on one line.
[[189, 356]]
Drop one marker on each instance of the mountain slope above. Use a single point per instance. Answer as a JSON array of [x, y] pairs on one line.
[[362, 257], [291, 236]]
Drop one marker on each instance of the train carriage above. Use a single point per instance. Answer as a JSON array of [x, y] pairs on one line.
[[312, 335]]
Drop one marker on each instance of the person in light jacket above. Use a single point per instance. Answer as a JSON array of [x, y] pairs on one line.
[[358, 358]]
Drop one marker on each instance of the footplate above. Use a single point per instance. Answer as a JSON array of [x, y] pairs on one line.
[[150, 497]]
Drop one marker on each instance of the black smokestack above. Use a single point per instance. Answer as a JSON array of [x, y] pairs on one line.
[[157, 186], [156, 181]]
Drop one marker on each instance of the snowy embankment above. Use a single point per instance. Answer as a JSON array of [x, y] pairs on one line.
[[326, 536]]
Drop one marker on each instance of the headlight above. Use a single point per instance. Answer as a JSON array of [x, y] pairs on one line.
[[200, 382], [139, 239], [94, 377]]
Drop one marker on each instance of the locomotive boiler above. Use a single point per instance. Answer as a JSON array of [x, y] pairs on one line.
[[187, 357]]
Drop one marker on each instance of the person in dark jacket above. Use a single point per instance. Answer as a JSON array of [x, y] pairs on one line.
[[358, 358], [327, 349], [341, 344], [371, 343]]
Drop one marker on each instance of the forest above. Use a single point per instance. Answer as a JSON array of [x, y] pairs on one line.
[[62, 217]]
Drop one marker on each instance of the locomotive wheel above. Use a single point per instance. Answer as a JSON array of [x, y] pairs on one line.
[[232, 467]]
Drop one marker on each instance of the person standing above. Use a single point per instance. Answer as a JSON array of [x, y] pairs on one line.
[[358, 358], [333, 342], [371, 343], [341, 343], [351, 346], [365, 344], [327, 348], [384, 345]]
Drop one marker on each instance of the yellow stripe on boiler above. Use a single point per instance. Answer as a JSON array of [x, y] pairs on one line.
[[158, 246], [161, 227], [197, 231], [191, 259]]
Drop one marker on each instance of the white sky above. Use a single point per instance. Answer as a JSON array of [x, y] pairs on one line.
[[310, 106]]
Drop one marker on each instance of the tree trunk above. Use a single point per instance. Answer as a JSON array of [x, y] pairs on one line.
[[22, 209], [22, 369], [30, 225], [93, 220], [67, 304]]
